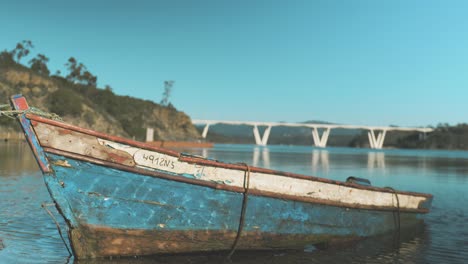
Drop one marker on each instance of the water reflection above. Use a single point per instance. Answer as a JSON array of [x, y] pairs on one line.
[[320, 160], [28, 233], [264, 161], [383, 249], [442, 173], [375, 160], [16, 157], [410, 248]]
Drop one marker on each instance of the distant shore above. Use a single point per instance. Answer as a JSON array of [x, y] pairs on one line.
[[180, 144], [12, 136], [18, 136]]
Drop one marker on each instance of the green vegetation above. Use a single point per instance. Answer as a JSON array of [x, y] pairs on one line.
[[63, 102], [22, 49], [78, 73], [39, 64], [444, 136], [167, 93], [78, 100]]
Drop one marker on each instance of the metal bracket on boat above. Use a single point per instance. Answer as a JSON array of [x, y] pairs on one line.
[[360, 181], [44, 206], [244, 207]]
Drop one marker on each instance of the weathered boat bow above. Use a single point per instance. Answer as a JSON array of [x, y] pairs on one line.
[[123, 198]]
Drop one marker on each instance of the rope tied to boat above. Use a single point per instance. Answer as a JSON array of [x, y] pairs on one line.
[[396, 218], [246, 186], [5, 110], [59, 229]]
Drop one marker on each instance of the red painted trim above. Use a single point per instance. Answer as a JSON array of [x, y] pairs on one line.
[[19, 103], [213, 163], [213, 185]]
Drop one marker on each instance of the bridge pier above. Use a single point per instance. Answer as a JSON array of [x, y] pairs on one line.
[[205, 130], [320, 141], [261, 141], [422, 136], [376, 143], [149, 134]]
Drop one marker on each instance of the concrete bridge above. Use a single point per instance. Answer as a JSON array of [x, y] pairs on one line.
[[376, 134]]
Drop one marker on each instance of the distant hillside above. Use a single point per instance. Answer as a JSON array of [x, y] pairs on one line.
[[444, 136], [88, 106]]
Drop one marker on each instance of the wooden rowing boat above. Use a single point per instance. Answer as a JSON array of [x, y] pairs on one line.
[[124, 198]]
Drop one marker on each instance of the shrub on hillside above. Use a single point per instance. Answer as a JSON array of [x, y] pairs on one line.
[[6, 59], [64, 102]]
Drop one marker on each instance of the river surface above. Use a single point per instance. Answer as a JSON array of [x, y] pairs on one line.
[[29, 235]]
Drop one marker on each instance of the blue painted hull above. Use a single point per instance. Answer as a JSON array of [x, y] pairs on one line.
[[125, 198], [110, 209]]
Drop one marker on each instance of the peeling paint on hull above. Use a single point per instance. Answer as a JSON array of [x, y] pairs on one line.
[[122, 213], [95, 241]]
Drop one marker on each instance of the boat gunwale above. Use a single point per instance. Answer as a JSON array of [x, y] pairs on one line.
[[218, 186], [203, 161]]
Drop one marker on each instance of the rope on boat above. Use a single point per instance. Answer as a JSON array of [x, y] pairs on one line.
[[244, 207], [5, 110], [396, 219], [44, 205]]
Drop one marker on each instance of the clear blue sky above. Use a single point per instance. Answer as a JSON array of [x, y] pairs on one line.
[[354, 62]]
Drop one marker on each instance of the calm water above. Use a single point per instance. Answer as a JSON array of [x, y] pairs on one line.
[[28, 235]]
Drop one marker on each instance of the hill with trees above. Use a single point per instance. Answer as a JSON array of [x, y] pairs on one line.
[[77, 99], [444, 136]]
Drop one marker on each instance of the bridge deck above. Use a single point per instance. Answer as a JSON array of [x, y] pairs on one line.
[[375, 142]]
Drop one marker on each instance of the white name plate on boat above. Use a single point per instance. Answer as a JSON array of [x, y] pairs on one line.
[[155, 160]]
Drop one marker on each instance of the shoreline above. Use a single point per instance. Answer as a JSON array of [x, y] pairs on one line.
[[12, 136], [180, 144]]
